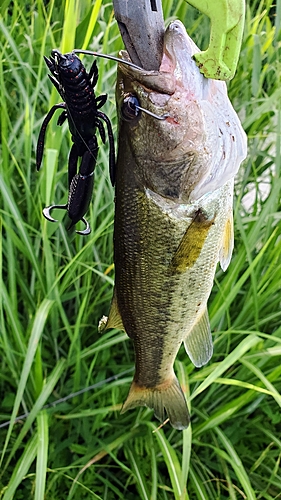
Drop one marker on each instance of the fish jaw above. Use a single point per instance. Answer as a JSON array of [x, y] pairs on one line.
[[200, 144]]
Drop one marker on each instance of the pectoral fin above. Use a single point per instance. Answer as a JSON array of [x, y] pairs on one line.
[[227, 243], [198, 343], [192, 242], [114, 319]]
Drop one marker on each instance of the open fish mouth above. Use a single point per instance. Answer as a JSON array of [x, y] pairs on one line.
[[177, 66], [201, 127]]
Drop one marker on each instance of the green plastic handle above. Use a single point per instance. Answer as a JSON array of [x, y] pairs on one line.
[[227, 17]]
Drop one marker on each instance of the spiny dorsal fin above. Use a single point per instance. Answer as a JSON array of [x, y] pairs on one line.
[[198, 343]]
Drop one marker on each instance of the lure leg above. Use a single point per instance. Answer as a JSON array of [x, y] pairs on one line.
[[62, 118], [111, 146], [55, 83], [101, 100], [94, 73], [50, 64], [72, 164], [87, 229], [81, 188], [101, 130], [42, 133], [47, 210]]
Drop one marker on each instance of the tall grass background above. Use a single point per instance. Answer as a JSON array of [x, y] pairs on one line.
[[55, 287]]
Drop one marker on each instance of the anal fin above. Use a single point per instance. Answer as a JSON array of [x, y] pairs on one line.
[[198, 343]]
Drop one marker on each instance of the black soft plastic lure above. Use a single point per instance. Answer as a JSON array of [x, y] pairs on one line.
[[81, 108]]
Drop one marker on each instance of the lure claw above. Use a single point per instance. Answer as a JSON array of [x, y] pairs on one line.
[[87, 229], [46, 212]]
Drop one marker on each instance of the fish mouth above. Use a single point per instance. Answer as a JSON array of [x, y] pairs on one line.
[[157, 81], [177, 47], [177, 67]]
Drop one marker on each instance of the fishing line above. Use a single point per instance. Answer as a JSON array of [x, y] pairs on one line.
[[158, 117], [122, 61], [106, 56], [70, 396]]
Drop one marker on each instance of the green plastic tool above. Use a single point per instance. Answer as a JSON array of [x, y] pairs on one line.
[[227, 17]]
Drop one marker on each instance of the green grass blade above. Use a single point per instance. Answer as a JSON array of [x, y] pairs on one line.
[[197, 486], [237, 465], [21, 468], [36, 332], [244, 346], [42, 455], [171, 461], [35, 411], [141, 483], [270, 387], [92, 23]]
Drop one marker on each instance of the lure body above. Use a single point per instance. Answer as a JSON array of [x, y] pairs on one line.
[[81, 108]]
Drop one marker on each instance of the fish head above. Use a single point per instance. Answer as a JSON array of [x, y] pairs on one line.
[[197, 144]]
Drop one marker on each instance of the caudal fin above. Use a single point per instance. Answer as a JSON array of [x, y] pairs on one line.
[[166, 396]]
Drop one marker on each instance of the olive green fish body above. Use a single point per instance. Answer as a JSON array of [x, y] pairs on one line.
[[173, 219]]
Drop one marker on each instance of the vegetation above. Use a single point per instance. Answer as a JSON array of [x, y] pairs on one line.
[[55, 287]]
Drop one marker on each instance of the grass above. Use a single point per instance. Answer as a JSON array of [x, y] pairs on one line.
[[55, 287]]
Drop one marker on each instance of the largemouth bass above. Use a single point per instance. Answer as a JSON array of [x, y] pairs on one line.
[[173, 217]]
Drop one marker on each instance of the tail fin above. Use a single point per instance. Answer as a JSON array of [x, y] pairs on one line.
[[167, 396]]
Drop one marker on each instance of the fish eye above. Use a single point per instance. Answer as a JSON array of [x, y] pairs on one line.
[[130, 108]]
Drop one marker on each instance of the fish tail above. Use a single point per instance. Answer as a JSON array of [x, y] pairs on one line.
[[166, 396]]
